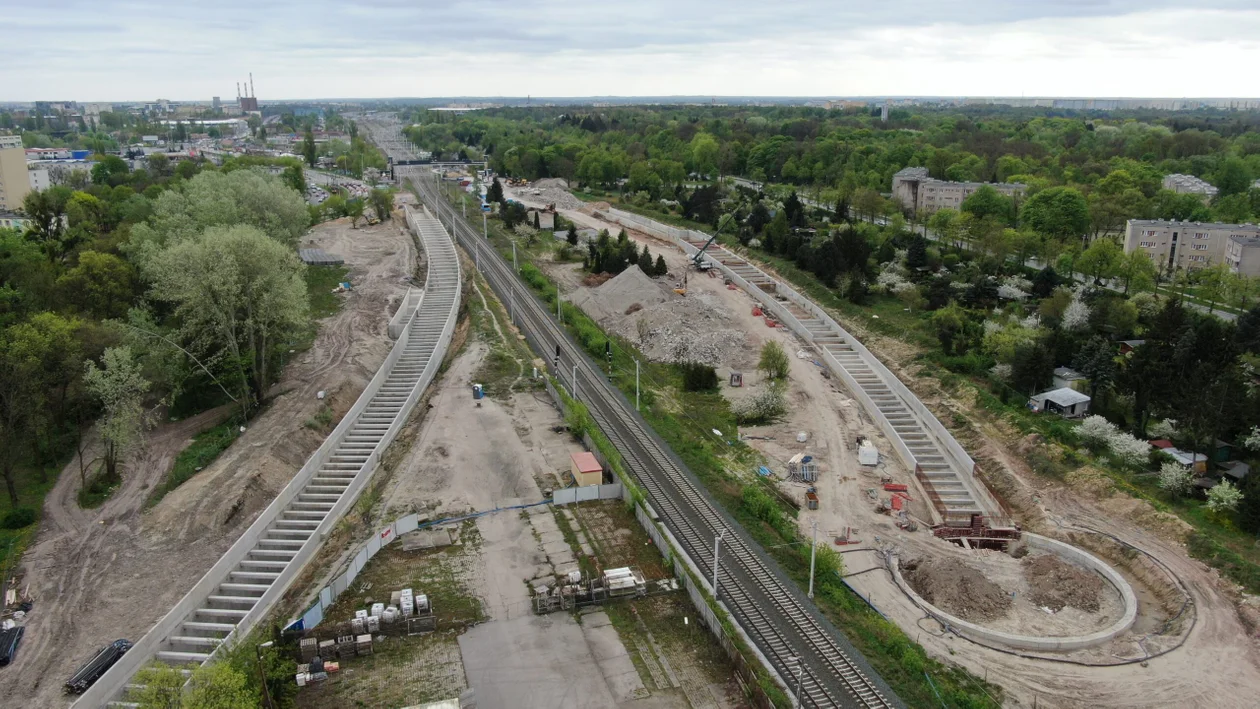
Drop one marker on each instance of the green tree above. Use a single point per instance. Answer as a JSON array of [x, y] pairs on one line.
[[950, 324], [101, 285], [238, 294], [162, 687], [1136, 270], [47, 211], [1097, 361], [572, 235], [660, 268], [774, 361], [987, 203], [308, 147], [119, 387], [944, 223], [1234, 208], [1214, 283], [1233, 177], [494, 195], [1057, 212], [382, 203], [218, 685], [776, 233], [1101, 260], [354, 210], [295, 178], [704, 154], [1032, 367], [109, 170], [245, 197]]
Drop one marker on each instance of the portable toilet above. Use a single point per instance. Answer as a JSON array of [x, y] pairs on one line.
[[478, 391]]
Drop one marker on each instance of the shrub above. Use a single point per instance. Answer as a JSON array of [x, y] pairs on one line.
[[18, 518], [1175, 478], [698, 377], [1095, 430], [774, 361], [763, 406], [1224, 496], [1129, 450]]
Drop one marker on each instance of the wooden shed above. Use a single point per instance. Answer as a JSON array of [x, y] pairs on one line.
[[586, 469]]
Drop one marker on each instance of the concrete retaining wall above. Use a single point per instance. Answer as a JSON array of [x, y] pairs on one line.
[[406, 307], [1038, 642]]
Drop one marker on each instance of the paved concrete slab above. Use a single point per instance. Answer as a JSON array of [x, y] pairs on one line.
[[533, 662], [610, 655]]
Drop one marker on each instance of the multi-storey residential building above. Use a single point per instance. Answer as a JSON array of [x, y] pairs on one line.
[[1189, 245], [916, 191], [14, 183], [1189, 184], [1242, 253]]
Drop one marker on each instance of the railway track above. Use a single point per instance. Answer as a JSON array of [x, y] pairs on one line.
[[801, 645]]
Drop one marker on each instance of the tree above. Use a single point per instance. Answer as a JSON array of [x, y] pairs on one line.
[[704, 154], [645, 261], [47, 212], [308, 147], [295, 178], [240, 197], [759, 217], [1045, 282], [119, 387], [1234, 209], [660, 268], [354, 210], [1136, 270], [1097, 361], [776, 233], [774, 361], [1249, 506], [382, 203], [101, 285], [572, 235], [109, 170], [944, 223], [494, 195], [1057, 212], [1101, 259], [1175, 478], [950, 324], [162, 687], [1224, 497], [218, 685], [987, 203], [1214, 282], [1233, 177], [1032, 367], [238, 294]]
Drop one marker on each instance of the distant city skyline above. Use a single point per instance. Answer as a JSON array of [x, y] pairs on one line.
[[120, 51]]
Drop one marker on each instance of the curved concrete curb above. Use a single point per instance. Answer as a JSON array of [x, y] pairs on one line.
[[1038, 642]]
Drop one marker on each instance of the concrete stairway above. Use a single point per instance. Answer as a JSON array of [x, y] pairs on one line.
[[941, 472], [217, 615]]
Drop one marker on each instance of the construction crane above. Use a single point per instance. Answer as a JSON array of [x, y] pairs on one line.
[[698, 259]]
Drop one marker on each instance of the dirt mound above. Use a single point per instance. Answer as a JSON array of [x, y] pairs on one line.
[[552, 182], [615, 297], [1055, 584], [957, 588]]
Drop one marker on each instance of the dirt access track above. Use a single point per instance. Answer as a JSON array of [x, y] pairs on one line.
[[1217, 665], [99, 575]]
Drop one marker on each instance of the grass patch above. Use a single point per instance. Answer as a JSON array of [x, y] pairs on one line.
[[320, 282], [33, 482], [206, 446], [98, 489], [321, 419]]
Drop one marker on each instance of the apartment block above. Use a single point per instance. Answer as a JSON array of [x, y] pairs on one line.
[[14, 183], [1189, 184], [1193, 245], [916, 191]]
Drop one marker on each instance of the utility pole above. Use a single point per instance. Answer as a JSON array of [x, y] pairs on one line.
[[514, 267], [717, 546], [636, 385], [813, 549], [559, 313], [575, 384], [485, 230]]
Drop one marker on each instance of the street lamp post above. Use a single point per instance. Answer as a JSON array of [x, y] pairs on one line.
[[262, 675], [813, 549], [717, 546]]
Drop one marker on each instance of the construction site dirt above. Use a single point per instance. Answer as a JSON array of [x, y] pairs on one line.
[[109, 573], [1188, 628], [490, 456]]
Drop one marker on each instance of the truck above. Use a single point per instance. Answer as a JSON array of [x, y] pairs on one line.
[[92, 670]]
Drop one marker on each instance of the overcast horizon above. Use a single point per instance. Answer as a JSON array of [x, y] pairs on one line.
[[116, 51]]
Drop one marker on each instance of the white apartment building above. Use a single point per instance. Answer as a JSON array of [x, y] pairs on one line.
[[1191, 245], [916, 191], [1242, 253], [1189, 184]]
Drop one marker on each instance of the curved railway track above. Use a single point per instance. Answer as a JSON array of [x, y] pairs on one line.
[[770, 608]]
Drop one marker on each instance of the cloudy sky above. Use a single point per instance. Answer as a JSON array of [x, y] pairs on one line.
[[136, 49]]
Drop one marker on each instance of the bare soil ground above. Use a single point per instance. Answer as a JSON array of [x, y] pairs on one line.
[[957, 588], [99, 575], [1201, 639], [1057, 584]]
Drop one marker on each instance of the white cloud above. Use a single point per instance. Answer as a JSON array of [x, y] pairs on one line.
[[107, 51]]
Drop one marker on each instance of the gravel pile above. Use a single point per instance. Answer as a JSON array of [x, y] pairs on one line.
[[552, 190], [1056, 584], [952, 586], [665, 326]]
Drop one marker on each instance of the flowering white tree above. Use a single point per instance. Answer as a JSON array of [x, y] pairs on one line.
[[1002, 371], [1095, 429], [1127, 448], [1167, 428], [1010, 293], [1076, 316], [1224, 496], [1032, 322], [1252, 441], [1175, 478]]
